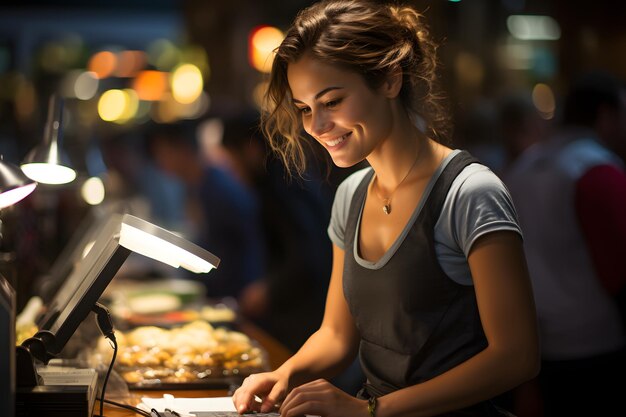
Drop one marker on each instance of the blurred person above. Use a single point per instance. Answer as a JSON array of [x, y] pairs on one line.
[[477, 133], [223, 214], [570, 193], [520, 126], [429, 284], [289, 300]]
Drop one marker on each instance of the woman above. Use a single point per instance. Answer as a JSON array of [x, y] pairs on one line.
[[429, 282]]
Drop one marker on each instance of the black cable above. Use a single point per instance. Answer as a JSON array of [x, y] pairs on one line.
[[106, 378], [126, 406], [105, 323]]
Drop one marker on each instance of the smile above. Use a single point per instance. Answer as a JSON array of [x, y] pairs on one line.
[[335, 142]]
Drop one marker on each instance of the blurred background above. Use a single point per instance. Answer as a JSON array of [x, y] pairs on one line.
[[127, 68]]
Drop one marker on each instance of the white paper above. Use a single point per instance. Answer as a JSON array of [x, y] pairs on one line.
[[184, 406]]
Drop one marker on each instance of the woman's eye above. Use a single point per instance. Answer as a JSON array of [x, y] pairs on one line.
[[333, 103], [304, 110]]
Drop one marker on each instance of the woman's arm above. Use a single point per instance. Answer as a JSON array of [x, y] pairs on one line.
[[507, 312], [326, 352]]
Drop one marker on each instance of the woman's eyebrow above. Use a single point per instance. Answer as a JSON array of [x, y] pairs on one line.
[[320, 94]]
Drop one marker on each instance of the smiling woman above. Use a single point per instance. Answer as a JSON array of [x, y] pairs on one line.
[[434, 294]]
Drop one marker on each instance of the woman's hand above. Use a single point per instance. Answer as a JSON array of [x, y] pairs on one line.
[[270, 387], [321, 398]]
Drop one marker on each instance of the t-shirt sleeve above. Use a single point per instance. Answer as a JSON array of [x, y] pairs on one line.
[[341, 207], [479, 203]]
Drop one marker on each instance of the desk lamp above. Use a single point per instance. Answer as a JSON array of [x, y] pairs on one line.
[[47, 163]]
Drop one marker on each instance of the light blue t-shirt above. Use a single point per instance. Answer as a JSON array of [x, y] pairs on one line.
[[477, 203]]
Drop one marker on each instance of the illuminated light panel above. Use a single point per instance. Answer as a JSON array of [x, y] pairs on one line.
[[262, 42], [102, 64], [150, 85], [530, 27], [156, 248], [187, 83]]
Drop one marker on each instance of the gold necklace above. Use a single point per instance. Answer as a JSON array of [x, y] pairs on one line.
[[387, 200]]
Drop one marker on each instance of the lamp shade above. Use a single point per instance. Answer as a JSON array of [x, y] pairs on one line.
[[14, 185], [47, 163]]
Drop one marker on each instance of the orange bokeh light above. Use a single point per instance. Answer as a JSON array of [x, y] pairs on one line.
[[150, 85], [102, 64]]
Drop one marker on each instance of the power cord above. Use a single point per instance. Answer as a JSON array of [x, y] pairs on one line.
[[126, 406], [105, 323]]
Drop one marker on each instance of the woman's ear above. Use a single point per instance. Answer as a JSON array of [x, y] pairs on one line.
[[393, 83]]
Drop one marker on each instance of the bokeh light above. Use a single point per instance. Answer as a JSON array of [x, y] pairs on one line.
[[187, 83], [102, 64], [544, 100], [150, 85], [262, 42], [93, 191], [112, 105]]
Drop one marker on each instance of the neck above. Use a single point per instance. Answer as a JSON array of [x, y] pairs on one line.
[[397, 155]]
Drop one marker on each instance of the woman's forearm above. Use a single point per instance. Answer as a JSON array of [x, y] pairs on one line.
[[322, 356], [481, 377]]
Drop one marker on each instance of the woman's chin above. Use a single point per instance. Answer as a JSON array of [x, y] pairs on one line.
[[343, 163]]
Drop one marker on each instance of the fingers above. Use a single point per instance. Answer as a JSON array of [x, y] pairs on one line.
[[276, 394], [244, 398], [305, 398], [259, 385]]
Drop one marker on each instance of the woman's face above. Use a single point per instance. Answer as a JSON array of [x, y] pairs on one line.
[[339, 110]]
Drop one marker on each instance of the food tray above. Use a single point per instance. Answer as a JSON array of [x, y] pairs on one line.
[[193, 356]]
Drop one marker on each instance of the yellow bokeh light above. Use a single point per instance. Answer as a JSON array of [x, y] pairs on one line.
[[263, 41], [112, 105], [132, 105], [93, 191], [187, 83]]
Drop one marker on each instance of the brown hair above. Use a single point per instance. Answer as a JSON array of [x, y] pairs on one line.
[[360, 36]]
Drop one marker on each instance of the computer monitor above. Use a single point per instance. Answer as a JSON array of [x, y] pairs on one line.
[[116, 239], [48, 284]]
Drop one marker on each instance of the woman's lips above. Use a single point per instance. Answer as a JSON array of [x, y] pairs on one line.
[[336, 142]]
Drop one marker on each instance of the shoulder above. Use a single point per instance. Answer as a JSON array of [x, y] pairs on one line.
[[478, 202], [477, 180]]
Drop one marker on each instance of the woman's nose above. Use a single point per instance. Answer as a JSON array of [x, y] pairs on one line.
[[320, 124]]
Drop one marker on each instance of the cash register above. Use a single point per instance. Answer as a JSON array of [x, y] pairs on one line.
[[45, 389]]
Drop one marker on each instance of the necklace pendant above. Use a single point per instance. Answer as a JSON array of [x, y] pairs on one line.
[[387, 208]]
